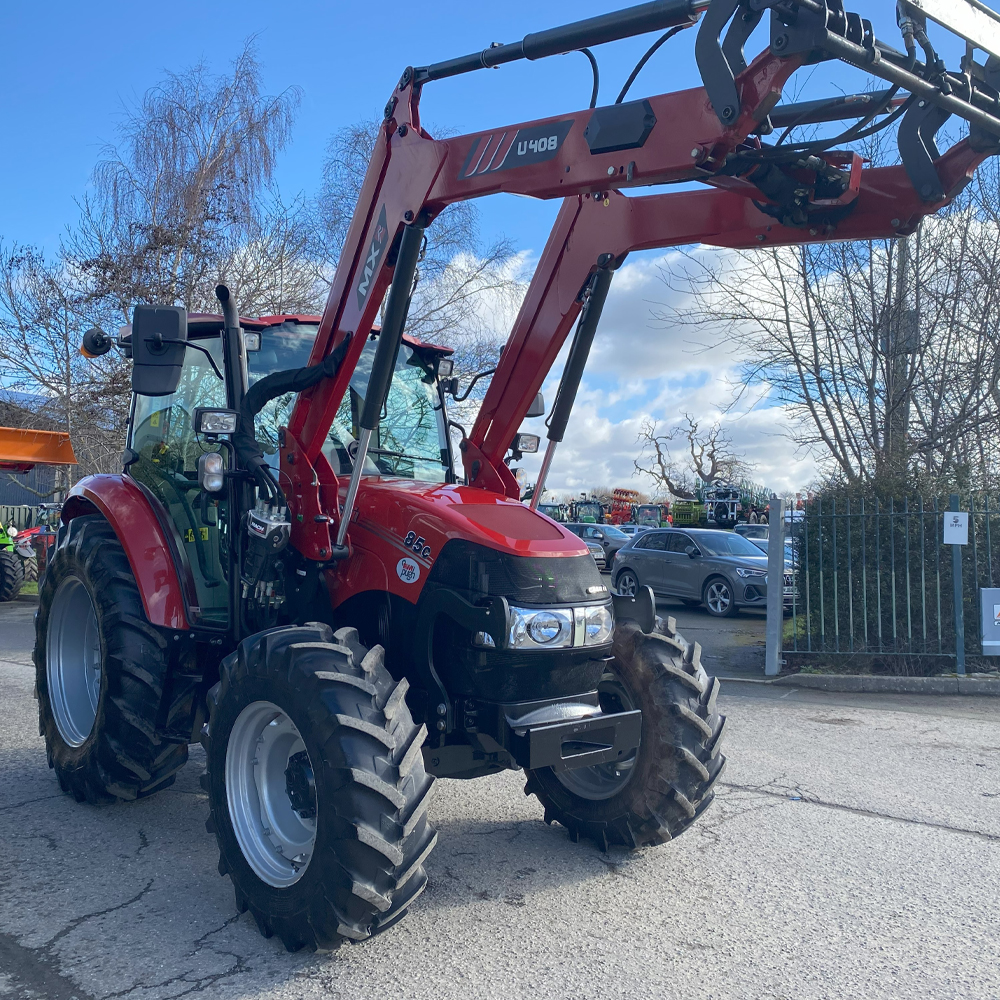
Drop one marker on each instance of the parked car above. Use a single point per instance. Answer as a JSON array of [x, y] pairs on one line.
[[754, 532], [633, 529], [610, 538], [597, 551], [719, 569]]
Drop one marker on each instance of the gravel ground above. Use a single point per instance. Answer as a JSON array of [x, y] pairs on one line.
[[853, 850]]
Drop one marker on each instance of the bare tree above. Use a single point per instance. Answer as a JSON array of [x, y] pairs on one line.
[[710, 457], [42, 320], [884, 351], [177, 199]]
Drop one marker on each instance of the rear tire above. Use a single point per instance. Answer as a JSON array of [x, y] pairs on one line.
[[11, 575], [668, 783], [30, 569], [102, 673], [348, 793]]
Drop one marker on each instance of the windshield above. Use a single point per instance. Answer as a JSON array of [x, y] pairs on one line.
[[612, 532], [410, 441], [725, 543]]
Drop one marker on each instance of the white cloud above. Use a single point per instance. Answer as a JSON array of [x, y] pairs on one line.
[[641, 369]]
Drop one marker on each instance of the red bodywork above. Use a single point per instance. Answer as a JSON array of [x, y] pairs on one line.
[[411, 176]]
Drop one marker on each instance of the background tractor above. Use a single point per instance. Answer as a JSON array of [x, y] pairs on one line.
[[20, 451], [292, 569]]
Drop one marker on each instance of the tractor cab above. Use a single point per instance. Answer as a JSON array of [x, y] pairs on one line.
[[166, 449]]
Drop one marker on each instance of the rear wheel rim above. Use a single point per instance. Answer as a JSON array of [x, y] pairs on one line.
[[603, 781], [73, 661], [627, 585], [718, 597], [276, 840]]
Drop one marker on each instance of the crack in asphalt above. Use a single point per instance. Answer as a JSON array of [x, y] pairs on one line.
[[813, 800], [30, 802], [76, 921], [196, 984]]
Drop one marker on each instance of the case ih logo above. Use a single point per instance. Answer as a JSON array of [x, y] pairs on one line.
[[490, 153], [373, 259]]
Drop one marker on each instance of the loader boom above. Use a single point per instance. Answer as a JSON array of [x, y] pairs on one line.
[[712, 133]]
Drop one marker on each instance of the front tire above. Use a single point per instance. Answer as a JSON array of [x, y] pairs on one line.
[[11, 575], [103, 674], [668, 782], [316, 785]]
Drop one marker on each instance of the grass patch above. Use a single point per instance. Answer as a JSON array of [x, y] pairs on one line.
[[30, 588]]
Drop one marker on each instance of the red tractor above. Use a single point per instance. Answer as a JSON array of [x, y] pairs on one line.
[[290, 568]]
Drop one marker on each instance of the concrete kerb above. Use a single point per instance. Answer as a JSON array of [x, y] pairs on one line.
[[982, 684]]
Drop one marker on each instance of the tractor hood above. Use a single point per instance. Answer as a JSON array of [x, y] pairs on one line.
[[399, 528]]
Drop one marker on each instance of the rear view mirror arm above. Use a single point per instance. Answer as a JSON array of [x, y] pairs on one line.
[[197, 347], [472, 384]]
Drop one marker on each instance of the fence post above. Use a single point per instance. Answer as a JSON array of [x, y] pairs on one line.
[[775, 586], [956, 572]]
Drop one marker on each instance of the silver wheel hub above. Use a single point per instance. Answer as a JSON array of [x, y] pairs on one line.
[[268, 787], [627, 585], [602, 781], [718, 597], [73, 661]]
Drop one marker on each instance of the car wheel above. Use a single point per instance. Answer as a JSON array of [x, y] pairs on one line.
[[719, 598], [626, 583]]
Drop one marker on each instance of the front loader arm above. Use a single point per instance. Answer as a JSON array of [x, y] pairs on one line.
[[413, 177], [887, 206], [588, 156]]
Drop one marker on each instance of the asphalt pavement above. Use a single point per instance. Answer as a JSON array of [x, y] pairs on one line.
[[853, 851]]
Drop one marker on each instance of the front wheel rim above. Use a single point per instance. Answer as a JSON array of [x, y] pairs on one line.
[[627, 585], [603, 781], [277, 841], [73, 661], [718, 598]]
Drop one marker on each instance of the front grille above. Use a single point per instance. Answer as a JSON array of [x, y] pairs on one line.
[[479, 572]]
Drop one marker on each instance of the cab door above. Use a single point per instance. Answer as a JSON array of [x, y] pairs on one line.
[[164, 460]]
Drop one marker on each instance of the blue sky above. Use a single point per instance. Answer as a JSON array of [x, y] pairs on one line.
[[68, 68]]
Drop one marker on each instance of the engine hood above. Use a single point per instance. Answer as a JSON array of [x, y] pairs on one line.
[[399, 528]]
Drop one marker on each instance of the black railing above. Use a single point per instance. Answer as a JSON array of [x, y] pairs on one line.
[[874, 579]]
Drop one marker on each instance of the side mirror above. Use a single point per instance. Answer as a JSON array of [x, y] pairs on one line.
[[692, 552], [159, 336], [537, 408], [599, 535], [95, 343]]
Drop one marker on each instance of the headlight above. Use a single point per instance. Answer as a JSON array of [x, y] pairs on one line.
[[752, 574], [560, 628], [12, 531], [600, 624]]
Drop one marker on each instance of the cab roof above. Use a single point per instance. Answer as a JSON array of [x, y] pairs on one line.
[[263, 322]]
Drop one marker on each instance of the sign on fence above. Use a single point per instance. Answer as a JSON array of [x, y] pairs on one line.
[[956, 527], [990, 598]]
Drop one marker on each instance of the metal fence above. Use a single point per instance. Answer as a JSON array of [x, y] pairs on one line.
[[874, 579]]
